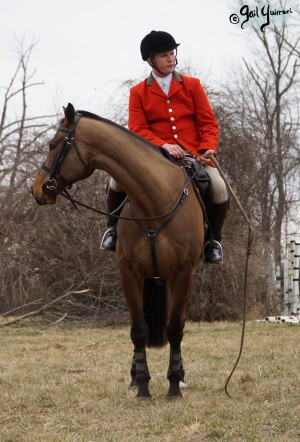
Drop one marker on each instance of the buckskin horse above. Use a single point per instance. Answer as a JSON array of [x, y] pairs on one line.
[[160, 232]]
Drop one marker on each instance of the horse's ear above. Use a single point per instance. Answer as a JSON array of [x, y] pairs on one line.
[[69, 113]]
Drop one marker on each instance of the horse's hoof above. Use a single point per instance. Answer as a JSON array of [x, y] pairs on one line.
[[174, 393], [143, 392], [133, 385], [182, 384]]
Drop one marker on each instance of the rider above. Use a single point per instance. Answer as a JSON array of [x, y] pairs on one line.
[[172, 111]]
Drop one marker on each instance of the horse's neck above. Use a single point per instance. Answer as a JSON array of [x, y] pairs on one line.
[[146, 176]]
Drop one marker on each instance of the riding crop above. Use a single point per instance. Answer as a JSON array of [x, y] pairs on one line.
[[249, 252]]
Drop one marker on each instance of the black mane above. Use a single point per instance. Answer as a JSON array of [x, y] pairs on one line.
[[162, 151], [112, 123]]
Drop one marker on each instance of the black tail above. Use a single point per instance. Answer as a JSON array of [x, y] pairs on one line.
[[156, 311]]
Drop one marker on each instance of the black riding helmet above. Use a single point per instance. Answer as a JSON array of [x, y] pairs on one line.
[[155, 42]]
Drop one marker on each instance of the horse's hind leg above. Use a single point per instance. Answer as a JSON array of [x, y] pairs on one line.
[[140, 376], [180, 294], [133, 373]]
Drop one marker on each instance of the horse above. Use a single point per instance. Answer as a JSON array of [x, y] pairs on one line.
[[160, 231]]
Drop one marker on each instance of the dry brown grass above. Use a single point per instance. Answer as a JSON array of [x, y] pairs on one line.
[[71, 385]]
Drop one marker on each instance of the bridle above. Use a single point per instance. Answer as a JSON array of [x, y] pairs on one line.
[[50, 186]]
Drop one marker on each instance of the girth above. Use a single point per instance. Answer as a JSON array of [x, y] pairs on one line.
[[152, 233]]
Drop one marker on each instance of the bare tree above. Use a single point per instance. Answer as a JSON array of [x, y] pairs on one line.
[[259, 116], [276, 109], [19, 135], [46, 251]]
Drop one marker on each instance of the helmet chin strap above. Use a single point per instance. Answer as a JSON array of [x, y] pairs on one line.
[[153, 65]]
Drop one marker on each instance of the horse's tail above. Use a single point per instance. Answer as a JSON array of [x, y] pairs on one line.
[[156, 311]]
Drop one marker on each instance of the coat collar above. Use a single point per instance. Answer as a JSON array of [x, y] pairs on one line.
[[175, 75], [175, 85]]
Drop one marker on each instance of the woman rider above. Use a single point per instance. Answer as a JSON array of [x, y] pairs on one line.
[[172, 111]]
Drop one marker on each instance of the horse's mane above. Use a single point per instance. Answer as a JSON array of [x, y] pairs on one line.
[[112, 123], [92, 116]]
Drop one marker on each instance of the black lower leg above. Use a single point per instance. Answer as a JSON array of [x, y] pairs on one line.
[[139, 373], [114, 207], [114, 201], [133, 373], [217, 219], [175, 372]]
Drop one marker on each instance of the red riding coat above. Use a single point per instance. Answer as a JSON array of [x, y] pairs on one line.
[[184, 116]]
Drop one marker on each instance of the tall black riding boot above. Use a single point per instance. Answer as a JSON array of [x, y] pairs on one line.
[[113, 200], [213, 252]]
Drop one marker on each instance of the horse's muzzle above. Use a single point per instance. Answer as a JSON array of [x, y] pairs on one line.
[[41, 197], [50, 187]]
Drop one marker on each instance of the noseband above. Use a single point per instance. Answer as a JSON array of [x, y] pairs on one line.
[[50, 186]]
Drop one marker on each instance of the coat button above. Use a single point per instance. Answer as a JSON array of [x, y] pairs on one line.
[[172, 118], [170, 110], [174, 127], [168, 101], [175, 136]]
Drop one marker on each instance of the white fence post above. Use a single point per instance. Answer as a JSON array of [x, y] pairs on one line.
[[291, 279], [296, 261], [286, 310], [288, 279]]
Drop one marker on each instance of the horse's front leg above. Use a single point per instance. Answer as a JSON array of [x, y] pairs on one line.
[[180, 294], [175, 372], [132, 288], [140, 375]]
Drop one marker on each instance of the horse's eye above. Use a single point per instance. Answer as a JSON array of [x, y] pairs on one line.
[[51, 146]]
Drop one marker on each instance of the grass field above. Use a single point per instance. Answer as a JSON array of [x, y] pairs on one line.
[[71, 384]]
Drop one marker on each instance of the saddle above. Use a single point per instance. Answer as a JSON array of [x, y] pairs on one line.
[[202, 185], [200, 180]]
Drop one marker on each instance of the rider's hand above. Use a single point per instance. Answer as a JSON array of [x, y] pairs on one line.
[[204, 159], [174, 150]]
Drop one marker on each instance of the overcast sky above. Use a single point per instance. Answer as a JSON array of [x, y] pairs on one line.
[[86, 48]]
